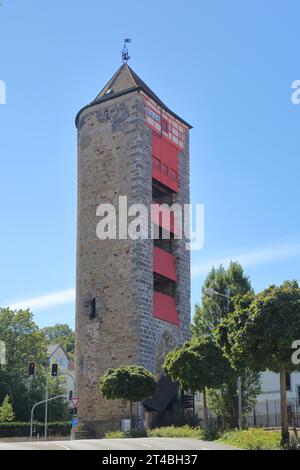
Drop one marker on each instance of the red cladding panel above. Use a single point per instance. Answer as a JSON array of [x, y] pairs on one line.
[[163, 264], [165, 308], [165, 162]]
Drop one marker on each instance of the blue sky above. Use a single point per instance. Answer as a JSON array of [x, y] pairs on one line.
[[225, 66]]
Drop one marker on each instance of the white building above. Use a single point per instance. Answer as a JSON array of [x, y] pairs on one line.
[[57, 355], [267, 409], [271, 386]]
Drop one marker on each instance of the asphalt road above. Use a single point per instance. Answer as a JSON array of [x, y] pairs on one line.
[[157, 443]]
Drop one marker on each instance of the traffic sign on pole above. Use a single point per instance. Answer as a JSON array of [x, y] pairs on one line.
[[75, 401], [74, 422]]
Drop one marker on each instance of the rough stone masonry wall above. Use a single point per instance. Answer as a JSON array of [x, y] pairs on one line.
[[115, 159], [110, 155]]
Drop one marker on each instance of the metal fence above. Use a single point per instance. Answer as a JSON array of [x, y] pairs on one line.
[[267, 414]]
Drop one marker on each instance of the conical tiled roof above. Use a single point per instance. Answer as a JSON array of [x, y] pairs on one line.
[[125, 80]]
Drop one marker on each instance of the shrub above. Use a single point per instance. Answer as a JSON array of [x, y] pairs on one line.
[[253, 439], [115, 435], [211, 433], [123, 435], [294, 444], [16, 429], [172, 431], [6, 411]]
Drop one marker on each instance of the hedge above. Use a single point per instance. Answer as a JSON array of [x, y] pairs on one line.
[[16, 429]]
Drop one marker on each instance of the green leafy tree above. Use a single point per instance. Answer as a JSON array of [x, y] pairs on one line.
[[24, 343], [131, 383], [196, 366], [58, 409], [223, 401], [261, 333], [61, 334], [6, 411], [231, 283], [213, 310]]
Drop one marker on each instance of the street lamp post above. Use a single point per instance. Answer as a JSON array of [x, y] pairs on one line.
[[211, 293], [46, 400], [33, 408], [70, 375]]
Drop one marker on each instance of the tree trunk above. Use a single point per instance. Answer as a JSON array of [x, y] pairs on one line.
[[283, 405], [205, 408]]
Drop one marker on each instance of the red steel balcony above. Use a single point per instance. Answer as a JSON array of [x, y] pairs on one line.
[[165, 308], [163, 264]]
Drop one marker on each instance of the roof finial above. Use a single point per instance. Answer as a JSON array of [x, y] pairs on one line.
[[125, 55]]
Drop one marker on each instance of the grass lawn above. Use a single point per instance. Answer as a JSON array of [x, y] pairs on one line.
[[253, 439]]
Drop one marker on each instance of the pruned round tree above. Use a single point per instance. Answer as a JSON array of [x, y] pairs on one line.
[[198, 365], [261, 333], [131, 383], [6, 411]]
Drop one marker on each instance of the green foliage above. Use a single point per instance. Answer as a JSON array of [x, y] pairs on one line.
[[61, 334], [6, 411], [125, 435], [210, 321], [293, 444], [57, 409], [18, 429], [116, 435], [225, 332], [261, 333], [197, 365], [167, 431], [172, 431], [223, 401], [132, 383], [253, 439], [26, 343], [230, 283]]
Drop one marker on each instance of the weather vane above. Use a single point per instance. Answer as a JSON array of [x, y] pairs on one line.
[[125, 55]]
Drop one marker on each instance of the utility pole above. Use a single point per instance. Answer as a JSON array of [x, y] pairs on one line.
[[240, 405]]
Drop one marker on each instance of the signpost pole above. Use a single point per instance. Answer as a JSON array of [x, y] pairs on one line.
[[74, 418], [33, 408]]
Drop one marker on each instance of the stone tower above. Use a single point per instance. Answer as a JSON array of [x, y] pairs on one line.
[[132, 296]]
